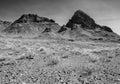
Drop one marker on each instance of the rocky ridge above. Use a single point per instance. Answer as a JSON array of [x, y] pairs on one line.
[[31, 24], [80, 27]]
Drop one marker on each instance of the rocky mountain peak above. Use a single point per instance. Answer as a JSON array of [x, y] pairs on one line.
[[32, 18], [80, 27], [32, 24], [81, 18]]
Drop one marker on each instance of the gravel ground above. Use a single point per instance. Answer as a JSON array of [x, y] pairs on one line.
[[58, 62]]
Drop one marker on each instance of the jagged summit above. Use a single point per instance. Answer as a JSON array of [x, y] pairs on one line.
[[82, 19], [32, 18]]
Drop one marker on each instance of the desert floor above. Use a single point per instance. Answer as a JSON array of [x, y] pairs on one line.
[[25, 61]]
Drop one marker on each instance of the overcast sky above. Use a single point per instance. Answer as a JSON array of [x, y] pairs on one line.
[[104, 12]]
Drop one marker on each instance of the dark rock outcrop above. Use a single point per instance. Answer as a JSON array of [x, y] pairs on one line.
[[82, 19], [63, 28], [47, 30], [105, 28]]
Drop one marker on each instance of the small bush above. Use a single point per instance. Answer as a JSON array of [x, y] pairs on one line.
[[52, 63]]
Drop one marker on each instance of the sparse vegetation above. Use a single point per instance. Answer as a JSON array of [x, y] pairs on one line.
[[40, 62]]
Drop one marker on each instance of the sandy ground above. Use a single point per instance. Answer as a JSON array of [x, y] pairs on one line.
[[25, 61]]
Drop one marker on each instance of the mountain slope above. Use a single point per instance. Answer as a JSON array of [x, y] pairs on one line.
[[82, 27], [4, 24], [31, 24]]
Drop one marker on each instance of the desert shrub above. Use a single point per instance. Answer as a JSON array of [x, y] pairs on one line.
[[2, 59], [100, 39], [71, 40], [52, 63], [28, 57], [65, 57], [93, 59]]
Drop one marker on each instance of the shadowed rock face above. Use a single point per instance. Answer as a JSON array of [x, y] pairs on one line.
[[47, 30], [63, 28], [82, 19], [105, 28]]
